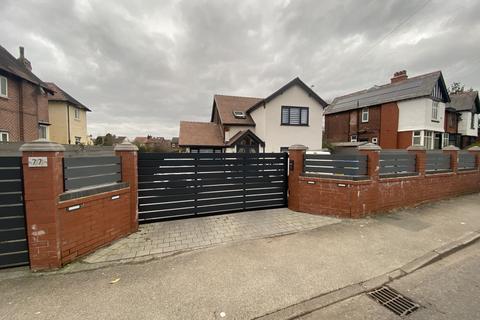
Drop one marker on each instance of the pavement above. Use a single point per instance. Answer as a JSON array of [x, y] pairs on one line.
[[250, 278], [165, 238], [447, 289]]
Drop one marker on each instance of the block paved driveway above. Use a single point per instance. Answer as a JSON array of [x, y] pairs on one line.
[[168, 237]]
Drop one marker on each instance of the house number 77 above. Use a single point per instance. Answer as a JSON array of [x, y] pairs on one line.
[[37, 162]]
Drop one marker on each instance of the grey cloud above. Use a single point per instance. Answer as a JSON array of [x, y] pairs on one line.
[[145, 65]]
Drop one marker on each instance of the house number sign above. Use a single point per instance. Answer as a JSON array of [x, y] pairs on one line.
[[37, 162]]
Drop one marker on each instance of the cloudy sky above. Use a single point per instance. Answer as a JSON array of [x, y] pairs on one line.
[[142, 66]]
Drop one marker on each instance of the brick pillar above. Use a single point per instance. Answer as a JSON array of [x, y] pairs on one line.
[[43, 182], [128, 153], [453, 152], [476, 151], [372, 151], [295, 162], [420, 159]]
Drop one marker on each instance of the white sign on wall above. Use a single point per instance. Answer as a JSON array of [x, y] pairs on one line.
[[37, 162]]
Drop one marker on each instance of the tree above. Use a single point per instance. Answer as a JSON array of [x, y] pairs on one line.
[[458, 87]]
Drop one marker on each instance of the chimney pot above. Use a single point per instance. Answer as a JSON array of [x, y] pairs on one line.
[[399, 76], [22, 52]]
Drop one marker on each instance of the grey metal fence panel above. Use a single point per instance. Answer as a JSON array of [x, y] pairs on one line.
[[466, 161], [85, 172], [13, 238], [189, 184], [347, 166], [437, 162], [397, 163]]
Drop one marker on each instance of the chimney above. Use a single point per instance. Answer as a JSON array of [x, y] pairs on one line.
[[24, 60], [399, 76]]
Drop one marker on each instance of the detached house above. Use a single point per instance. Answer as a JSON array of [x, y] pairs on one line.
[[406, 111], [68, 117], [466, 106], [291, 115], [23, 100]]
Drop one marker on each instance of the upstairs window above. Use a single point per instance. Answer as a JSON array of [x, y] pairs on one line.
[[3, 87], [239, 114], [77, 113], [42, 131], [365, 115], [435, 110], [472, 121], [4, 136], [294, 116]]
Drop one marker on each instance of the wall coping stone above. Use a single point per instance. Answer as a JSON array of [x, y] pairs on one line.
[[297, 147], [416, 148], [475, 148], [451, 148], [42, 145], [369, 146], [125, 146]]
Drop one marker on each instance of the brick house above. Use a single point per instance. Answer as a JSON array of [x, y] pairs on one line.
[[291, 115], [405, 112], [23, 100]]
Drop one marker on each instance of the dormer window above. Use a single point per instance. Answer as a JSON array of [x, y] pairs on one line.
[[239, 114]]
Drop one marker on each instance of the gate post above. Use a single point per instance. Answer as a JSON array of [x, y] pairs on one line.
[[129, 157], [372, 151], [295, 165], [420, 159], [476, 152], [453, 152], [43, 182]]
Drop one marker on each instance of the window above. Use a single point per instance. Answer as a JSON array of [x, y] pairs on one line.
[[295, 116], [365, 115], [3, 87], [446, 139], [206, 150], [283, 149], [78, 140], [77, 113], [4, 137], [434, 110], [472, 122], [42, 131], [239, 114], [429, 136], [353, 138], [417, 138]]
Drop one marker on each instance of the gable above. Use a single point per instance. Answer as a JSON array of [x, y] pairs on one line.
[[224, 107], [439, 91]]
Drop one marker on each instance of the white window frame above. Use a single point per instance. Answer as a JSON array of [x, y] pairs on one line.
[[6, 87], [353, 138], [40, 127], [365, 115], [417, 134], [76, 113], [445, 139], [2, 134], [429, 139], [435, 110], [78, 140]]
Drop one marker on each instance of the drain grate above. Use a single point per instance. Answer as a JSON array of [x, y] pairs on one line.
[[393, 301]]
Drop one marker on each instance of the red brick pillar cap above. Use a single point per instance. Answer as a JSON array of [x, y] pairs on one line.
[[450, 148], [369, 147], [476, 149], [297, 147], [42, 145], [416, 148], [125, 146]]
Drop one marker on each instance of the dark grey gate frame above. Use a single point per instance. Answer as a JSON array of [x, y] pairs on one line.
[[13, 236], [191, 184]]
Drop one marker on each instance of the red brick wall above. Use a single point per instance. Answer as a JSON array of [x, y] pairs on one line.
[[389, 126], [99, 221], [370, 129], [35, 109], [337, 127], [404, 139]]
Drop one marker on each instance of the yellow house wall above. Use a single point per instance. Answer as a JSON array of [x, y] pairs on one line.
[[58, 117]]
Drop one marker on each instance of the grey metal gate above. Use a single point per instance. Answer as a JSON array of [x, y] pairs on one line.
[[13, 237], [190, 184]]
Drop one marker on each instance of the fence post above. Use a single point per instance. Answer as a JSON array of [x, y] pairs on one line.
[[129, 157], [295, 162], [372, 151], [43, 182], [453, 152], [476, 151], [420, 159]]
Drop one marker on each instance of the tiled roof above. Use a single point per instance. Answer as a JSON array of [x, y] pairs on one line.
[[10, 64], [227, 104], [419, 86], [60, 95], [465, 101], [200, 134]]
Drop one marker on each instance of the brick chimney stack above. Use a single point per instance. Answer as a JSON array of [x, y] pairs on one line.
[[399, 76], [24, 60]]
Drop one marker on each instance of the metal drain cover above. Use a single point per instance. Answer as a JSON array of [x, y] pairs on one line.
[[393, 301]]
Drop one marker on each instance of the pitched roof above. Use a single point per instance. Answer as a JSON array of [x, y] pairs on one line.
[[60, 95], [12, 65], [294, 82], [242, 133], [226, 105], [465, 101], [415, 87], [200, 134]]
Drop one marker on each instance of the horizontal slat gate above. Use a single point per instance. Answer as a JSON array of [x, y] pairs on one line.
[[85, 172], [13, 238], [189, 184]]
